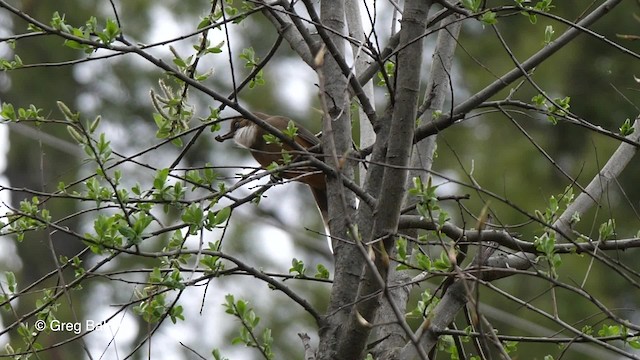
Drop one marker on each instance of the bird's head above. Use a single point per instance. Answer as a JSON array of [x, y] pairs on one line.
[[243, 131]]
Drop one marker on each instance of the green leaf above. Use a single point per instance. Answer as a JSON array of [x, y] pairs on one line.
[[575, 218], [75, 134], [194, 176], [8, 112], [206, 21], [218, 217], [401, 247], [292, 130], [11, 281], [423, 261], [17, 61], [473, 5], [229, 303], [94, 124], [214, 50], [194, 217], [72, 44], [161, 179], [128, 233], [443, 217], [141, 223], [544, 5], [539, 100], [68, 114], [607, 229], [211, 262], [321, 272], [510, 346], [112, 30], [545, 243], [609, 330], [210, 175], [179, 62], [548, 34], [271, 139], [297, 267], [92, 24], [532, 18], [241, 308], [223, 215], [626, 128], [489, 18], [273, 166], [286, 157], [443, 263], [217, 356], [176, 313], [587, 329]]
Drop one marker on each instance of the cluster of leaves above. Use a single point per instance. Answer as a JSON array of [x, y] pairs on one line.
[[540, 6], [291, 132], [419, 260], [429, 209], [32, 113], [129, 219], [212, 262], [489, 17], [153, 306], [29, 217], [387, 73], [446, 344], [286, 157], [299, 270], [125, 214], [629, 337], [627, 128], [424, 305], [427, 205], [28, 334], [252, 62], [546, 242], [88, 32], [558, 107], [15, 63], [173, 110], [173, 114], [248, 332]]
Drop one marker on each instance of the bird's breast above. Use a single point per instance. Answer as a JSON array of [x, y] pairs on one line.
[[246, 136]]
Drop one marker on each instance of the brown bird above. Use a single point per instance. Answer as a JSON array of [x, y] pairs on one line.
[[251, 136]]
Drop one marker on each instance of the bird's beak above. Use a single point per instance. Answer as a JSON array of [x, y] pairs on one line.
[[226, 136]]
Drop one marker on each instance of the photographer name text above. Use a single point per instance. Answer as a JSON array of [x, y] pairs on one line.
[[73, 327]]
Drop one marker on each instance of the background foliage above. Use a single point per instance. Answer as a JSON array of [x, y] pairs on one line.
[[118, 207]]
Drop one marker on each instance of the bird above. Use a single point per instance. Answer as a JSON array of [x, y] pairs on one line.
[[249, 135]]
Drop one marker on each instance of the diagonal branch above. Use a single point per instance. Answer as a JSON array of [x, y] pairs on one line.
[[536, 59], [618, 161], [456, 296]]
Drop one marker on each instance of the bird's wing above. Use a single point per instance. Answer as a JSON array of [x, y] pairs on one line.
[[303, 133], [307, 135]]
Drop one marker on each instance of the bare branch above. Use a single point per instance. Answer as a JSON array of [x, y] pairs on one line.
[[593, 192], [462, 109]]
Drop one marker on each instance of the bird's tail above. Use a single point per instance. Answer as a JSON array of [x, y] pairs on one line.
[[320, 194]]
